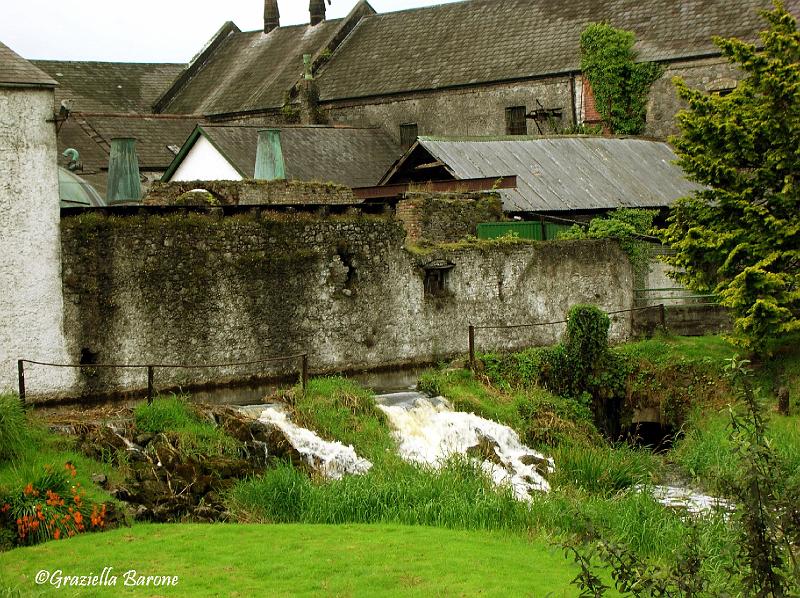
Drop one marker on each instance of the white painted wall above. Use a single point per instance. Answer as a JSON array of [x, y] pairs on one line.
[[31, 303], [205, 163]]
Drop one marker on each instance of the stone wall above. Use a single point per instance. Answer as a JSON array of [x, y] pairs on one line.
[[31, 320], [200, 289], [447, 218], [248, 192], [480, 109]]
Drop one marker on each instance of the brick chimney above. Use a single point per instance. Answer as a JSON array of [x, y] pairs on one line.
[[317, 10], [272, 16]]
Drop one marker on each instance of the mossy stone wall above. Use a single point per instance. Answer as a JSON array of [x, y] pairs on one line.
[[214, 289]]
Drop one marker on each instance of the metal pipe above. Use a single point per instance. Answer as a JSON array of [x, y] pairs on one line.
[[472, 347], [150, 376]]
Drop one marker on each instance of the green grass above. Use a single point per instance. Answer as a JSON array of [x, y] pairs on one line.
[[540, 418], [664, 349], [33, 449], [173, 415], [339, 409], [705, 452], [303, 560], [604, 469], [14, 435]]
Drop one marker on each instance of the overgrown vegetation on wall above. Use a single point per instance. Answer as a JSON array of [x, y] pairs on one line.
[[621, 84], [628, 226]]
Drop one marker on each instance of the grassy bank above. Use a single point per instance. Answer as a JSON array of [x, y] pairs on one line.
[[302, 560]]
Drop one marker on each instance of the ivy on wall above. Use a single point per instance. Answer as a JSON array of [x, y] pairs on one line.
[[620, 84]]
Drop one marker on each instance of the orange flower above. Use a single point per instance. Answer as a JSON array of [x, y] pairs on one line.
[[78, 517], [28, 490], [57, 534], [6, 508]]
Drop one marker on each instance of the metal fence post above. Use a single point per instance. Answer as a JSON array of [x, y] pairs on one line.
[[21, 374], [304, 372], [150, 384], [472, 347]]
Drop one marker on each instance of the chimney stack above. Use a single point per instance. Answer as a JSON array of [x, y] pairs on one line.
[[124, 186], [272, 16], [317, 10], [269, 156]]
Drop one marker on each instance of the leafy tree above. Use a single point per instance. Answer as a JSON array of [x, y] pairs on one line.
[[620, 83], [740, 237]]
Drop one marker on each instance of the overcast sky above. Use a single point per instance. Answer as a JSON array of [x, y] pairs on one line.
[[145, 30]]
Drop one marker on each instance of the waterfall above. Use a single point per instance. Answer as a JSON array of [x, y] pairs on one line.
[[334, 460], [428, 432]]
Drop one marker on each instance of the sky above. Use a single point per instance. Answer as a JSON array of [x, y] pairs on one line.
[[145, 30]]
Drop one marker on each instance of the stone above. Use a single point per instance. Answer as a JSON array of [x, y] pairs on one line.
[[100, 479]]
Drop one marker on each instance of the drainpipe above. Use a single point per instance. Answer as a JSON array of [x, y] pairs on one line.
[[272, 16], [317, 10], [124, 185], [269, 156]]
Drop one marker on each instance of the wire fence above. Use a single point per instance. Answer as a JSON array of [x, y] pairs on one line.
[[152, 367], [472, 329]]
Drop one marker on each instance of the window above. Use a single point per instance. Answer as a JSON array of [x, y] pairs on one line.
[[408, 134], [516, 123], [436, 274]]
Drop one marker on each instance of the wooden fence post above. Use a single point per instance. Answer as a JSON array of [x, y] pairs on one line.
[[149, 384], [21, 374], [472, 347], [304, 372]]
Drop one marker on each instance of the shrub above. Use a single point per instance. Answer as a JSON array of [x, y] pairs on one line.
[[51, 507]]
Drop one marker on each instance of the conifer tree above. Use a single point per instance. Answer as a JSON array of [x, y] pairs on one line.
[[740, 237]]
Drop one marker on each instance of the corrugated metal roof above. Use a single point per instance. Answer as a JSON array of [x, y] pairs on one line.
[[569, 173]]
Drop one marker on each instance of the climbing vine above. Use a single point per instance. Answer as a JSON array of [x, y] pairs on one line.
[[620, 84]]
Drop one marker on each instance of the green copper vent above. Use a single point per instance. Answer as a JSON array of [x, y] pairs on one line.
[[269, 156], [124, 185]]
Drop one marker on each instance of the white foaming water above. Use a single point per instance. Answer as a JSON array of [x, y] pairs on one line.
[[334, 460], [688, 500], [429, 432]]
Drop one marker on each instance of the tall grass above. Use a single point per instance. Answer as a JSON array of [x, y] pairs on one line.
[[339, 409], [603, 470], [172, 414], [15, 438], [706, 453]]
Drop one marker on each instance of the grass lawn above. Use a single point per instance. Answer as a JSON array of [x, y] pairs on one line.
[[283, 560]]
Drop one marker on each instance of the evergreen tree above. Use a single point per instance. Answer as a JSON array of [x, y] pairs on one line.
[[740, 237]]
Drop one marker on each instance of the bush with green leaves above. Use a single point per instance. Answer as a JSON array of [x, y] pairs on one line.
[[628, 226]]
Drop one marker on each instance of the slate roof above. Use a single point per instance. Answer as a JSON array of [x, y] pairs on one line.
[[110, 86], [15, 70], [356, 157], [494, 40], [91, 135], [563, 174], [251, 71]]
